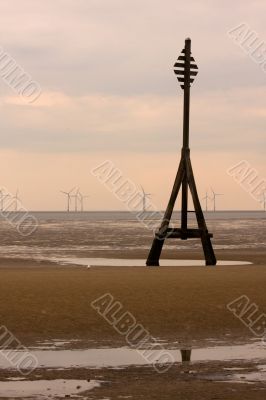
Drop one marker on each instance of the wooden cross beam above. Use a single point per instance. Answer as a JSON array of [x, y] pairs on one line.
[[186, 70]]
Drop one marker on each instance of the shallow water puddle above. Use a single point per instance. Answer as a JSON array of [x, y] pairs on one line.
[[119, 262], [53, 344], [249, 377], [43, 388], [118, 357]]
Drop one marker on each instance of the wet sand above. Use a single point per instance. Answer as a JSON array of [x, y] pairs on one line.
[[200, 381], [41, 300], [173, 303]]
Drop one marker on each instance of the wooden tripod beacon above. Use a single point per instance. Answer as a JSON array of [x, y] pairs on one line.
[[185, 69]]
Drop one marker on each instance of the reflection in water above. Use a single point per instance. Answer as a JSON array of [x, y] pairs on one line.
[[119, 357], [185, 355]]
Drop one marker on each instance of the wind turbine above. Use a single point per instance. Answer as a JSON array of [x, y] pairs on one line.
[[206, 198], [264, 200], [68, 194], [2, 198], [144, 197], [214, 198], [76, 197], [16, 198], [81, 200]]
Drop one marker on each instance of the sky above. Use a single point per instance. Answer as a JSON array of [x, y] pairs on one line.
[[108, 92]]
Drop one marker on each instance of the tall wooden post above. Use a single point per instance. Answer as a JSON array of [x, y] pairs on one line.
[[186, 110], [186, 70]]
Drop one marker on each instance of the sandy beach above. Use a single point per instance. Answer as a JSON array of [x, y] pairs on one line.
[[184, 306], [43, 301], [54, 302]]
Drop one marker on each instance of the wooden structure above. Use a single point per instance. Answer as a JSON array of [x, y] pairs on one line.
[[186, 70]]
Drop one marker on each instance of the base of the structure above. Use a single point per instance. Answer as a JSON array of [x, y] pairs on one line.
[[211, 264], [157, 264], [152, 264]]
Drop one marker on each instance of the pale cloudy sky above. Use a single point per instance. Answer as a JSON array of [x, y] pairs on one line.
[[109, 92]]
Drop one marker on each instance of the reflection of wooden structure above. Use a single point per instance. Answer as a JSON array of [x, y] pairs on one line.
[[185, 355], [186, 70]]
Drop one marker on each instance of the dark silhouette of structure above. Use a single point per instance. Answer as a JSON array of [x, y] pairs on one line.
[[186, 70]]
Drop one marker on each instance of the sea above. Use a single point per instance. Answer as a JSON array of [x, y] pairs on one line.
[[128, 215], [66, 236]]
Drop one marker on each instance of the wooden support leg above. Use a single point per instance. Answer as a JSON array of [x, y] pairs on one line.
[[155, 253], [184, 207], [205, 238], [208, 250], [158, 242]]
